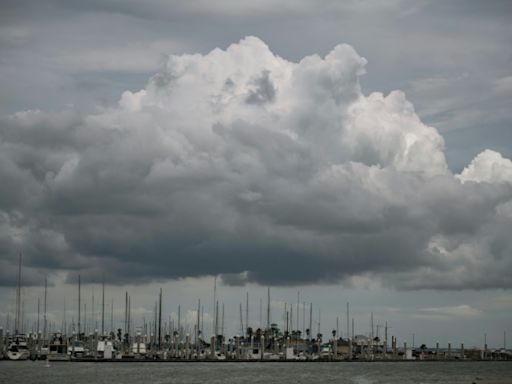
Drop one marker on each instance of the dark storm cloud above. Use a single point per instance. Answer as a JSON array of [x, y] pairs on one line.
[[246, 165], [268, 172]]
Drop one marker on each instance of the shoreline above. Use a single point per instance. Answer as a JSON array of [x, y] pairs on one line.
[[258, 361]]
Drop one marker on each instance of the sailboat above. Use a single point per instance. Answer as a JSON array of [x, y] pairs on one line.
[[17, 347], [57, 348]]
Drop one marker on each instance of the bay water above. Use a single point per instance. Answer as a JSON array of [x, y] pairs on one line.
[[28, 372]]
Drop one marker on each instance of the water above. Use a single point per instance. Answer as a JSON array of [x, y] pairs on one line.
[[28, 372]]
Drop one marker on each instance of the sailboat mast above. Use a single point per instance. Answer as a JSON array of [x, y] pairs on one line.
[[241, 321], [261, 312], [268, 308], [310, 320], [45, 323], [298, 305], [222, 329], [129, 316], [112, 316], [18, 298], [215, 317], [93, 314], [65, 324], [79, 307], [160, 320], [126, 313], [348, 319], [198, 329], [38, 309], [179, 321], [247, 311], [103, 308]]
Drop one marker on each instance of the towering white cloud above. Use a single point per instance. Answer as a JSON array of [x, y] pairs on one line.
[[242, 163], [489, 166]]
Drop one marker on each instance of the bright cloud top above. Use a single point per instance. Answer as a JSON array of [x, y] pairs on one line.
[[244, 164]]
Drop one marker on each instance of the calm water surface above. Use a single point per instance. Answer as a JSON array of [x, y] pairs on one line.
[[28, 372]]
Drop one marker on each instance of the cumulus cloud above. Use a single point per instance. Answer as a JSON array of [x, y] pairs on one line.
[[241, 163], [489, 166]]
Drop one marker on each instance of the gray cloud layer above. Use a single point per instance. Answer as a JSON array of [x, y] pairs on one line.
[[241, 163], [451, 59]]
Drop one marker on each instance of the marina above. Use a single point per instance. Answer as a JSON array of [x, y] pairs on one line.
[[161, 340], [268, 346]]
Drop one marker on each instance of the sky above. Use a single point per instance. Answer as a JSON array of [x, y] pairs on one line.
[[354, 151]]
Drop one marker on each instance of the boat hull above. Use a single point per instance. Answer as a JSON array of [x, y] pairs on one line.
[[20, 355]]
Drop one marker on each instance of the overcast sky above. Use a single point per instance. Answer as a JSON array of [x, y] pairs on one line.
[[353, 151]]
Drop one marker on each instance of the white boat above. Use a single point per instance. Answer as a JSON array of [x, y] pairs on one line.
[[18, 348], [139, 349], [76, 350], [106, 350]]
